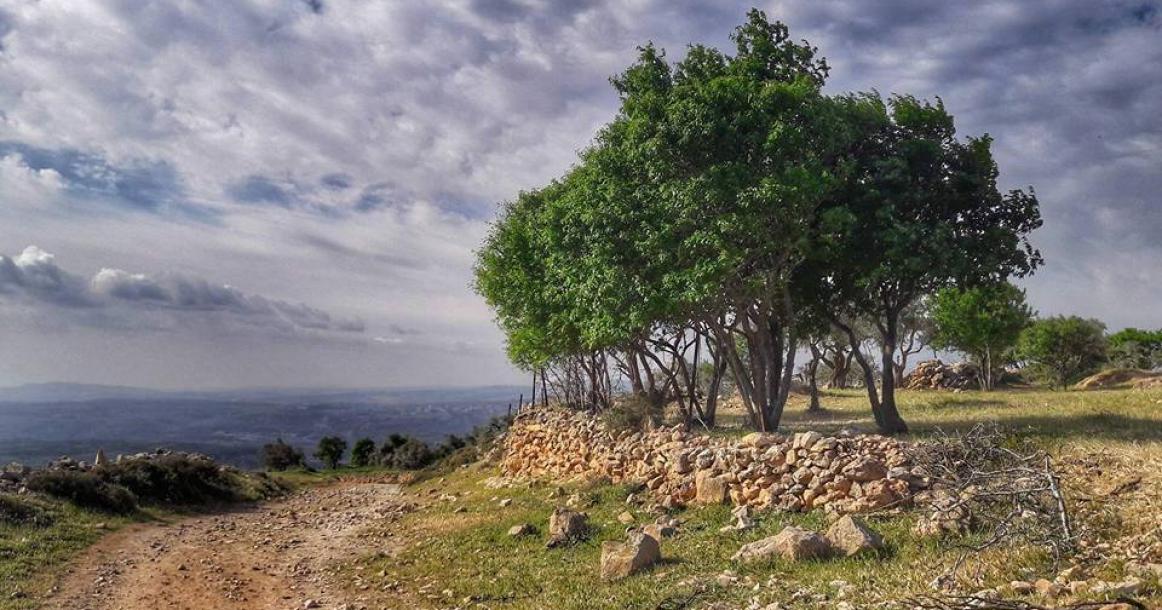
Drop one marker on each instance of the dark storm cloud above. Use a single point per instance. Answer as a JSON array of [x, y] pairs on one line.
[[34, 279]]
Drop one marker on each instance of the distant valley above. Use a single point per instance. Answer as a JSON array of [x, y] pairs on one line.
[[44, 421]]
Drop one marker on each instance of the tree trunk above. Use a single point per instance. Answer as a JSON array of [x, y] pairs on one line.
[[812, 381], [890, 420]]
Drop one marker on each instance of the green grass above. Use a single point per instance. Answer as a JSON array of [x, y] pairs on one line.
[[31, 554], [466, 559]]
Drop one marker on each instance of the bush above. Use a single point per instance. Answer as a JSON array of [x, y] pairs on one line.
[[21, 511], [331, 450], [172, 479], [84, 489], [281, 456], [633, 413], [413, 454], [362, 453]]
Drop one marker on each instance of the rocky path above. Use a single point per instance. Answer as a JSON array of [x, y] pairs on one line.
[[278, 556]]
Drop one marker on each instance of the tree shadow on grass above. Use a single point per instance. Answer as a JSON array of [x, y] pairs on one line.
[[1089, 426]]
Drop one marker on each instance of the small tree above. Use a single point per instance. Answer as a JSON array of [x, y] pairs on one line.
[[281, 456], [983, 323], [1136, 349], [1063, 348], [330, 451], [362, 452]]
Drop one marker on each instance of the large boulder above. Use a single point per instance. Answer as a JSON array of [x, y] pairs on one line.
[[621, 559], [851, 536], [566, 526], [791, 544]]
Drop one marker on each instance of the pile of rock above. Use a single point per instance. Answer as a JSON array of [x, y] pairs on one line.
[[935, 375], [846, 473]]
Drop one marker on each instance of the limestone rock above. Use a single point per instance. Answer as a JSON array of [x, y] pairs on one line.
[[522, 529], [791, 544], [621, 559], [566, 526], [710, 489], [851, 536]]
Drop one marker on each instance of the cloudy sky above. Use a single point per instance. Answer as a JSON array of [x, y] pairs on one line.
[[288, 192]]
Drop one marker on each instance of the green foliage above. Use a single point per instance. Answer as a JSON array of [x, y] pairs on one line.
[[634, 412], [172, 479], [330, 451], [1063, 349], [281, 456], [1134, 348], [16, 510], [730, 195], [983, 322], [84, 489], [362, 452]]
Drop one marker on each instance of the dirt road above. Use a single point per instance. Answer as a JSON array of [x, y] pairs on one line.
[[279, 556]]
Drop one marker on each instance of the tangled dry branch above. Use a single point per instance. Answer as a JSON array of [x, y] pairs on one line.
[[985, 603], [995, 486]]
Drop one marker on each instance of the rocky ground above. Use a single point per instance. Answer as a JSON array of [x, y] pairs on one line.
[[276, 556]]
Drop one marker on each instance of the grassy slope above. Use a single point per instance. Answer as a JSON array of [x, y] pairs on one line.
[[31, 555], [466, 559]]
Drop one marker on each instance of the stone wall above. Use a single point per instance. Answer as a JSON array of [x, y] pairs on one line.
[[845, 473]]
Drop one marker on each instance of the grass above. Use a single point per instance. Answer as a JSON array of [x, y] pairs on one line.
[[33, 550], [458, 552]]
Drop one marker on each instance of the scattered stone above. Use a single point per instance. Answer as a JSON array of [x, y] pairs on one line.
[[522, 529], [851, 536], [659, 531], [625, 518], [621, 559], [505, 503], [566, 526], [792, 544]]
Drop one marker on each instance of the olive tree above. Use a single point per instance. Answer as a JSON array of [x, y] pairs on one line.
[[917, 210]]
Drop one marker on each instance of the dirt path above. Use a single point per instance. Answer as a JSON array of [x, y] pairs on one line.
[[275, 556]]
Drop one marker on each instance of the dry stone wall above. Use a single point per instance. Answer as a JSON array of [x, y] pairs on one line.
[[846, 473]]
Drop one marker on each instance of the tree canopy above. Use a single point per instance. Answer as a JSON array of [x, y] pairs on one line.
[[1063, 348], [983, 322], [731, 209]]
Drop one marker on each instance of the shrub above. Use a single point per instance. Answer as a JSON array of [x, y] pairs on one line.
[[281, 456], [362, 453], [413, 454], [633, 413], [172, 479], [84, 489], [330, 451], [22, 511]]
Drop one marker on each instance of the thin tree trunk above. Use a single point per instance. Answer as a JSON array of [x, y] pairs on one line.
[[891, 422], [812, 381]]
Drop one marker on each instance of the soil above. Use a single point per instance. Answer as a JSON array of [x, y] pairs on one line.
[[282, 555]]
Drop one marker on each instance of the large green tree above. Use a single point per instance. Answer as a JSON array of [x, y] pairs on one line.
[[916, 210], [983, 322]]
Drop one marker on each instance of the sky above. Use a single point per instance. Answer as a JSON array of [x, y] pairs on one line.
[[202, 194]]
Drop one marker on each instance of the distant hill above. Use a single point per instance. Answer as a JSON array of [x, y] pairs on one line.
[[43, 421]]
